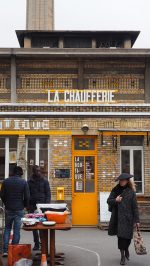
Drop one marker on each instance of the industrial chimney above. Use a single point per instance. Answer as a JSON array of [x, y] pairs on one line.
[[40, 15]]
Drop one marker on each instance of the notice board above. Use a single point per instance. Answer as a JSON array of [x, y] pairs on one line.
[[104, 213], [62, 173]]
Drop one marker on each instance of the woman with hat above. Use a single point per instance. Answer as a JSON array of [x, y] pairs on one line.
[[123, 206]]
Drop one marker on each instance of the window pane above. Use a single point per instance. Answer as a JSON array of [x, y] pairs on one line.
[[90, 174], [31, 143], [31, 161], [125, 161], [12, 154], [79, 174], [43, 143], [138, 187], [2, 143], [13, 143], [84, 144], [137, 157], [131, 140], [2, 164], [43, 154]]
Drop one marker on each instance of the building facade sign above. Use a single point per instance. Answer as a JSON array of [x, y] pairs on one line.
[[52, 124], [24, 124], [81, 96]]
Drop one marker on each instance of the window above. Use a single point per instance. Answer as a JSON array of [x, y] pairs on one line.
[[84, 144], [131, 140], [8, 156], [36, 82], [84, 174], [127, 84], [132, 160], [37, 154]]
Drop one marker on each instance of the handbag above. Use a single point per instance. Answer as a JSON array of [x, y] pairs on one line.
[[139, 243]]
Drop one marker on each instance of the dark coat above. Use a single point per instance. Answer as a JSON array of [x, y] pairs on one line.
[[124, 214], [15, 193], [39, 191]]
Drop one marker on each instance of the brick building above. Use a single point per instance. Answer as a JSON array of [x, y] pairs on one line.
[[78, 105]]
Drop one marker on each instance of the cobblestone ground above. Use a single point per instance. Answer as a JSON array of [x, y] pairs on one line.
[[92, 247]]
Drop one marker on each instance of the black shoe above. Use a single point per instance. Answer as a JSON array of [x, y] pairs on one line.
[[36, 248], [123, 259], [127, 254]]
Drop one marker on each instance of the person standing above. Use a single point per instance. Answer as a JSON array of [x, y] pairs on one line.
[[123, 206], [39, 193], [15, 196]]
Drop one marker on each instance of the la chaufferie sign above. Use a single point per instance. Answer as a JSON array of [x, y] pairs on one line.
[[81, 96]]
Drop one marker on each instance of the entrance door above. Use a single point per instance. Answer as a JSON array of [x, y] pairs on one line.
[[84, 194]]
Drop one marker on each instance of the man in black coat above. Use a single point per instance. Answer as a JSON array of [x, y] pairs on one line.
[[15, 196], [39, 193]]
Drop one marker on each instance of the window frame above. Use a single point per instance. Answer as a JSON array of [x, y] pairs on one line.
[[37, 153], [7, 150], [131, 149]]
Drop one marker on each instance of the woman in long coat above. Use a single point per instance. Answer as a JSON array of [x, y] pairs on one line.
[[123, 206]]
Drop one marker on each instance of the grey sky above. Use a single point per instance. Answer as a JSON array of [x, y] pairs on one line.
[[81, 15]]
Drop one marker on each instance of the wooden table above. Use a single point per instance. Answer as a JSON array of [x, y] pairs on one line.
[[44, 230]]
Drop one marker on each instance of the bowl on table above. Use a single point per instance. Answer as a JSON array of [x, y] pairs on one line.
[[55, 207], [52, 209], [29, 221]]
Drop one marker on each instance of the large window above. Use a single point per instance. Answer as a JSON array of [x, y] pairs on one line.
[[132, 159], [8, 156], [37, 154]]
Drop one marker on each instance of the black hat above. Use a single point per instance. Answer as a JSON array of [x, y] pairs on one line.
[[124, 176]]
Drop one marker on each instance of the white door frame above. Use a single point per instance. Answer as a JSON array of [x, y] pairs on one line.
[[131, 149]]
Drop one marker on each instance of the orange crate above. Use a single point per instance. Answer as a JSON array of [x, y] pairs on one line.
[[17, 252], [57, 217]]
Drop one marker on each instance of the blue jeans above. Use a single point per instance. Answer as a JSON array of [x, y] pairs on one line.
[[12, 220]]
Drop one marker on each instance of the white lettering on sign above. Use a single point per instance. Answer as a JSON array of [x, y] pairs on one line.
[[80, 96], [24, 124]]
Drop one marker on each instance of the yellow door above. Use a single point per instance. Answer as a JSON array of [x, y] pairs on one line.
[[84, 181]]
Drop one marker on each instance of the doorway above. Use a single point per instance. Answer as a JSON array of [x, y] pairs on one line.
[[84, 181]]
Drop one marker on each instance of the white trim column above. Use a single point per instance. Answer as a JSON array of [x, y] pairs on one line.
[[37, 151], [6, 157]]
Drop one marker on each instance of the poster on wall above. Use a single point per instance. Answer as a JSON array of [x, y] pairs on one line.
[[12, 157], [31, 162], [42, 163], [79, 186], [62, 173], [104, 213]]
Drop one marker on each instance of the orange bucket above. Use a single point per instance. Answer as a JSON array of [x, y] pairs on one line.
[[58, 217]]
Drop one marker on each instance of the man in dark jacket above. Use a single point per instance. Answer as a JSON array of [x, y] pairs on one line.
[[15, 196], [39, 193]]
